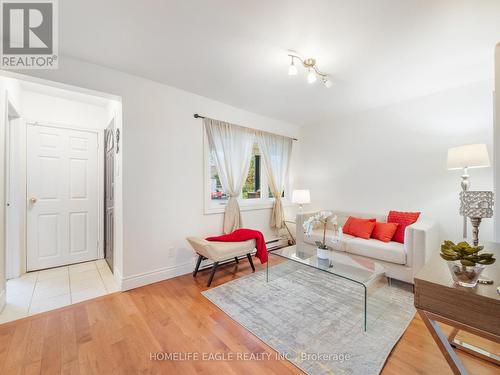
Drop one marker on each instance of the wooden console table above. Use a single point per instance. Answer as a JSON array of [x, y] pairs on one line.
[[475, 310]]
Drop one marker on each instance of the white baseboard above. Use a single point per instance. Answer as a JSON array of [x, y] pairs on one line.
[[2, 300], [135, 281]]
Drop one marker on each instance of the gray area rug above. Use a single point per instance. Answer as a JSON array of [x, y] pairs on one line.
[[315, 320]]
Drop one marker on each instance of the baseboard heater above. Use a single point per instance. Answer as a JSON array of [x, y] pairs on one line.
[[276, 243]]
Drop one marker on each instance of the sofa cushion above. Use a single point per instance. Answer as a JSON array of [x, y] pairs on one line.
[[392, 252], [384, 231], [317, 235], [403, 219], [362, 229], [354, 224]]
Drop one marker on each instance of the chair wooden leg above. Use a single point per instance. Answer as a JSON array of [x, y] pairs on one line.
[[214, 268], [249, 256], [236, 259], [198, 262]]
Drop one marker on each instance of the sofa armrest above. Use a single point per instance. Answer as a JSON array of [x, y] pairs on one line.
[[421, 241]]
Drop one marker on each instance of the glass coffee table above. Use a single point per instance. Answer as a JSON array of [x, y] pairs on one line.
[[359, 270]]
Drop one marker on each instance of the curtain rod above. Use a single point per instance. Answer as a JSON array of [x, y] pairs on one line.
[[196, 115]]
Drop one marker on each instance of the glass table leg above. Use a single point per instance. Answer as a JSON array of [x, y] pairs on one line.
[[267, 271], [364, 286]]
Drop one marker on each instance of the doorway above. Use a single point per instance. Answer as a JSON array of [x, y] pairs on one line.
[[62, 190], [55, 153]]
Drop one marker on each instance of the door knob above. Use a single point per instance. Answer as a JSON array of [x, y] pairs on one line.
[[33, 200]]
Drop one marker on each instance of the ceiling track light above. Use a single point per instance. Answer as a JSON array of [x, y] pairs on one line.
[[292, 70], [313, 72], [311, 76]]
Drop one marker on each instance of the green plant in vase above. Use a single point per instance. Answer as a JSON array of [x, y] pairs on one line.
[[465, 261]]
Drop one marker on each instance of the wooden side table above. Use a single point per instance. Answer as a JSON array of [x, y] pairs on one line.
[[475, 310]]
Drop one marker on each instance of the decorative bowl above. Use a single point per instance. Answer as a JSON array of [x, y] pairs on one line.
[[465, 275]]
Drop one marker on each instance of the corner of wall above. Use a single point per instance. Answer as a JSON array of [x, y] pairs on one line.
[[2, 300], [496, 141]]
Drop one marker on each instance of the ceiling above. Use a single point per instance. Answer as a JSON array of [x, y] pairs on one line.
[[377, 51]]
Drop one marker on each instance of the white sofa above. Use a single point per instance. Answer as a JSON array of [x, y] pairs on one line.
[[401, 261]]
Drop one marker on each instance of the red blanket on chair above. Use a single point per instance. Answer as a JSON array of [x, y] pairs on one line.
[[243, 234]]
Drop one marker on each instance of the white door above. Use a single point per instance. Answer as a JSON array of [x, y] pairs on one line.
[[62, 194]]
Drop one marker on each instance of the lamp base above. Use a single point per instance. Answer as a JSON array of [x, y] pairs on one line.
[[465, 184], [475, 221]]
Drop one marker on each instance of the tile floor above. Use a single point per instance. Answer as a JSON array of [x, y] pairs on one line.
[[45, 290]]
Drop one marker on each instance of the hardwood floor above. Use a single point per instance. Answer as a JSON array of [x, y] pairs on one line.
[[117, 333]]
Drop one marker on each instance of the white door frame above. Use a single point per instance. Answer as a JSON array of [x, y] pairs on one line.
[[10, 110], [12, 257], [496, 141], [100, 179]]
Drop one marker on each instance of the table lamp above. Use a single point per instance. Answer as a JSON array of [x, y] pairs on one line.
[[301, 197], [465, 157], [476, 205]]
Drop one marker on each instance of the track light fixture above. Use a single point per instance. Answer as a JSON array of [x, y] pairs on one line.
[[292, 70], [311, 76], [327, 82], [312, 71]]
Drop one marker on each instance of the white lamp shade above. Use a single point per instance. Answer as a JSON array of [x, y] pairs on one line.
[[301, 196], [468, 156], [311, 76]]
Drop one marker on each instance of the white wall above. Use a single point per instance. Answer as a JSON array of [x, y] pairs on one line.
[[497, 143], [8, 89], [56, 110], [163, 167], [395, 157]]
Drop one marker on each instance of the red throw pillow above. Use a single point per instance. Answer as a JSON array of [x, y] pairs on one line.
[[384, 231], [359, 227], [362, 229], [403, 219], [347, 226]]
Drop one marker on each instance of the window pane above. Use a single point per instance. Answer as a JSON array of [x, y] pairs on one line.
[[251, 188], [216, 192]]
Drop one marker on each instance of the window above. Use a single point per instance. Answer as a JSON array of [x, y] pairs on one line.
[[216, 193], [251, 188], [255, 192]]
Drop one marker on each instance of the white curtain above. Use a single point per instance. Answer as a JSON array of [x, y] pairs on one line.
[[276, 151], [231, 146]]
